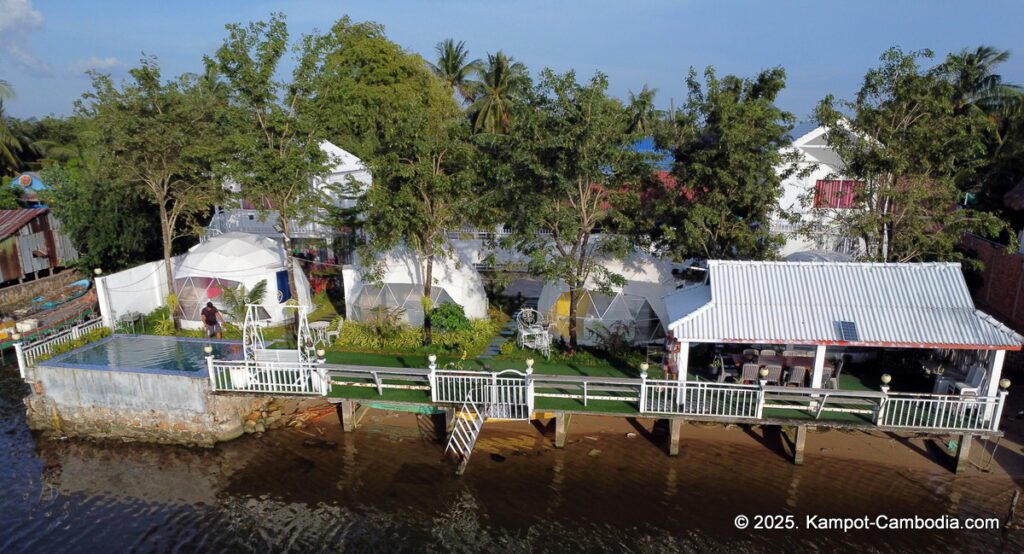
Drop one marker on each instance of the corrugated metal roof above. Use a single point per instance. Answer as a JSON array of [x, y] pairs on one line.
[[12, 220], [909, 305]]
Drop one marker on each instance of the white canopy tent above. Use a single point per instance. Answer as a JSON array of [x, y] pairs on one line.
[[230, 260], [636, 309], [401, 286]]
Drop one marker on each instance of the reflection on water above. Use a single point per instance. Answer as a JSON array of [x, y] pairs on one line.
[[387, 491]]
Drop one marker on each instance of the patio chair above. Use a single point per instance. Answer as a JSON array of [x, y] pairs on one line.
[[774, 374], [833, 381], [334, 334], [768, 352], [750, 352], [724, 371], [826, 376], [972, 384], [797, 376], [749, 374]]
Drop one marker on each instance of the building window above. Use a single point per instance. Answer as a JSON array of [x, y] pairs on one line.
[[838, 194]]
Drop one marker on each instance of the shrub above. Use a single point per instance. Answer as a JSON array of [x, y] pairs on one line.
[[365, 337], [450, 317], [91, 336]]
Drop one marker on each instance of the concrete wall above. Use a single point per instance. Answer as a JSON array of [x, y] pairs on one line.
[[140, 289], [126, 405]]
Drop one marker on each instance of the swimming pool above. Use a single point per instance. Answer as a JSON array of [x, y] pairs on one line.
[[148, 354]]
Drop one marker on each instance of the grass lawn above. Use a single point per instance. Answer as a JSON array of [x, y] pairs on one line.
[[608, 368]]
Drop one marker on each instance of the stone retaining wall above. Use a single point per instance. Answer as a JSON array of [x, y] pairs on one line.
[[18, 295], [133, 406]]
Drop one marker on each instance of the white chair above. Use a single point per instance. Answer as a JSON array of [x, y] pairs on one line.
[[334, 334], [971, 385]]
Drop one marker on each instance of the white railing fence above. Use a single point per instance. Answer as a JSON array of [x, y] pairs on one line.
[[500, 396], [701, 398], [32, 351], [946, 412], [267, 377]]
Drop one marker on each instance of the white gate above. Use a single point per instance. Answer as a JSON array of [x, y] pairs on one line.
[[503, 395]]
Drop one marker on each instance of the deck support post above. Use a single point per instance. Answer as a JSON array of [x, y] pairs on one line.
[[799, 442], [561, 428], [683, 361], [963, 454], [449, 420], [675, 428], [346, 413]]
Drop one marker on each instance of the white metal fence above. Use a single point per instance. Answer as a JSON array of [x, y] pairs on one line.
[[34, 350], [267, 377], [701, 398], [502, 397], [960, 413]]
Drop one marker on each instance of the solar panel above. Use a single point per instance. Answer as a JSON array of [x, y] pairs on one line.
[[848, 331]]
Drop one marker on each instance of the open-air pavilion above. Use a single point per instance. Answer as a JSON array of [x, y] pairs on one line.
[[797, 324]]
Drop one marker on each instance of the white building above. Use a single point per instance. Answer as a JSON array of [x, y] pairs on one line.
[[400, 285], [245, 217], [815, 198], [231, 260]]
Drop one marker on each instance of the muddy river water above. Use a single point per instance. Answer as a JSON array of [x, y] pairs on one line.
[[384, 488]]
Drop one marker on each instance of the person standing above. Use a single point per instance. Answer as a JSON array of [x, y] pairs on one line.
[[212, 319]]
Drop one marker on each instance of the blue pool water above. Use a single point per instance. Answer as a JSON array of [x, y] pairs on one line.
[[142, 353]]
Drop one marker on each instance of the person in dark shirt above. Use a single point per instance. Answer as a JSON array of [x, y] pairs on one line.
[[212, 320]]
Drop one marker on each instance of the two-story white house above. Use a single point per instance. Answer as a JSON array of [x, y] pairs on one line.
[[814, 195], [242, 216]]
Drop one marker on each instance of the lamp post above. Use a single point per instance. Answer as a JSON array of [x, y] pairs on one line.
[[763, 374], [433, 361], [321, 355], [886, 379]]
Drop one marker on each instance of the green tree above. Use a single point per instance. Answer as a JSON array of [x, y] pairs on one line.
[[159, 137], [564, 169], [503, 82], [644, 115], [976, 83], [726, 140], [455, 68], [111, 224], [275, 128], [905, 136], [419, 154]]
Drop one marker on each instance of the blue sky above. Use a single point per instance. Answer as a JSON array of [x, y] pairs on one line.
[[45, 45]]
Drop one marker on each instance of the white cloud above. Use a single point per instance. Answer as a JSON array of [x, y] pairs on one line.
[[18, 20], [109, 64]]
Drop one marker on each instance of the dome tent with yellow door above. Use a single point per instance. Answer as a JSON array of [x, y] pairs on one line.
[[635, 309]]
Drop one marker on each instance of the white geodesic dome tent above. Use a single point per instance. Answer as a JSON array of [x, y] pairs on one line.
[[230, 260], [401, 286], [636, 309]]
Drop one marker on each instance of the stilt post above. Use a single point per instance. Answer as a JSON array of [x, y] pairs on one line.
[[799, 442], [675, 427], [561, 428]]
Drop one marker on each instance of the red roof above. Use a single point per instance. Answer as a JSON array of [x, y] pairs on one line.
[[12, 220]]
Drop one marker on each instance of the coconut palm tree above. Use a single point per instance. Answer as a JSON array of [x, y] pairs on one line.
[[6, 91], [453, 68], [10, 145], [503, 81], [976, 83], [643, 115]]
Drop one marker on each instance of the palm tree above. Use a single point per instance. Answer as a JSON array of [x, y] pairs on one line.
[[502, 82], [236, 300], [642, 113], [6, 91], [976, 83], [453, 68], [10, 145]]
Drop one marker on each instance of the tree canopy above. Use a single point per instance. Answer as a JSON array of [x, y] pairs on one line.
[[158, 137], [565, 167], [906, 137], [728, 171]]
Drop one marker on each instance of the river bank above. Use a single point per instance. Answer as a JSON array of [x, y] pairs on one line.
[[384, 488]]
